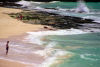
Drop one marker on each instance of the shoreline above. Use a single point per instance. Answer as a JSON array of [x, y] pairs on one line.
[[17, 56], [14, 30], [20, 51]]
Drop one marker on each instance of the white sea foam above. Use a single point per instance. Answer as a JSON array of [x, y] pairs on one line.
[[28, 3], [54, 1], [40, 8], [45, 53], [51, 44], [24, 3], [88, 57], [82, 7], [35, 37], [58, 32], [52, 58], [47, 50], [61, 9], [96, 19]]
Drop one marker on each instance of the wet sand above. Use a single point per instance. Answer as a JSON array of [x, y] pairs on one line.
[[7, 63], [14, 30], [20, 53]]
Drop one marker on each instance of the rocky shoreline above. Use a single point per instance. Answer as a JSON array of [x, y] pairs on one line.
[[51, 19]]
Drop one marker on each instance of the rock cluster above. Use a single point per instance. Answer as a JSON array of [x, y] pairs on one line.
[[51, 19]]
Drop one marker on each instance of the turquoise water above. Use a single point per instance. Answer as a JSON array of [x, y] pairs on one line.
[[85, 49], [94, 8], [69, 5]]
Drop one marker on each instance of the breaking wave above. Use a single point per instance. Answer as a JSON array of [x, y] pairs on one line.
[[35, 37]]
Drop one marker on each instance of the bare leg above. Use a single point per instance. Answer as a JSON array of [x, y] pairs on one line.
[[6, 52]]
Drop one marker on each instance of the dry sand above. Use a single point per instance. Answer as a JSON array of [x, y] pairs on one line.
[[11, 27]]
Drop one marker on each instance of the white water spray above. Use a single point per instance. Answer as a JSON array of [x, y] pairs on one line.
[[29, 4], [81, 7]]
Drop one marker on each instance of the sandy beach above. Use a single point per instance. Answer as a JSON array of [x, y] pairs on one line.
[[21, 52], [10, 27]]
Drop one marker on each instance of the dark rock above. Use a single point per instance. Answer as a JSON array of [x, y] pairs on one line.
[[54, 20], [10, 4]]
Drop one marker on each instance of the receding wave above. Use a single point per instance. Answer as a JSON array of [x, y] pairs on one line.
[[35, 37], [88, 57], [53, 55], [49, 52], [28, 3]]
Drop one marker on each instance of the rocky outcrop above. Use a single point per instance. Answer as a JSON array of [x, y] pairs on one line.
[[51, 19], [10, 4]]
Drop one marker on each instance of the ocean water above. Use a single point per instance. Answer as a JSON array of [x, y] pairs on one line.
[[66, 8], [70, 5], [71, 47], [92, 9], [67, 48], [84, 49]]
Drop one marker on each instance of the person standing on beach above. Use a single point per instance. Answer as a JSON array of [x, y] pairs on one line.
[[19, 17], [7, 47]]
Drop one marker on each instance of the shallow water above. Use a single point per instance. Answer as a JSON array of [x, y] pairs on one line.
[[84, 48], [71, 47], [21, 52]]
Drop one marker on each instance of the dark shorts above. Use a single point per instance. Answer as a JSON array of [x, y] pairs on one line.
[[7, 48]]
